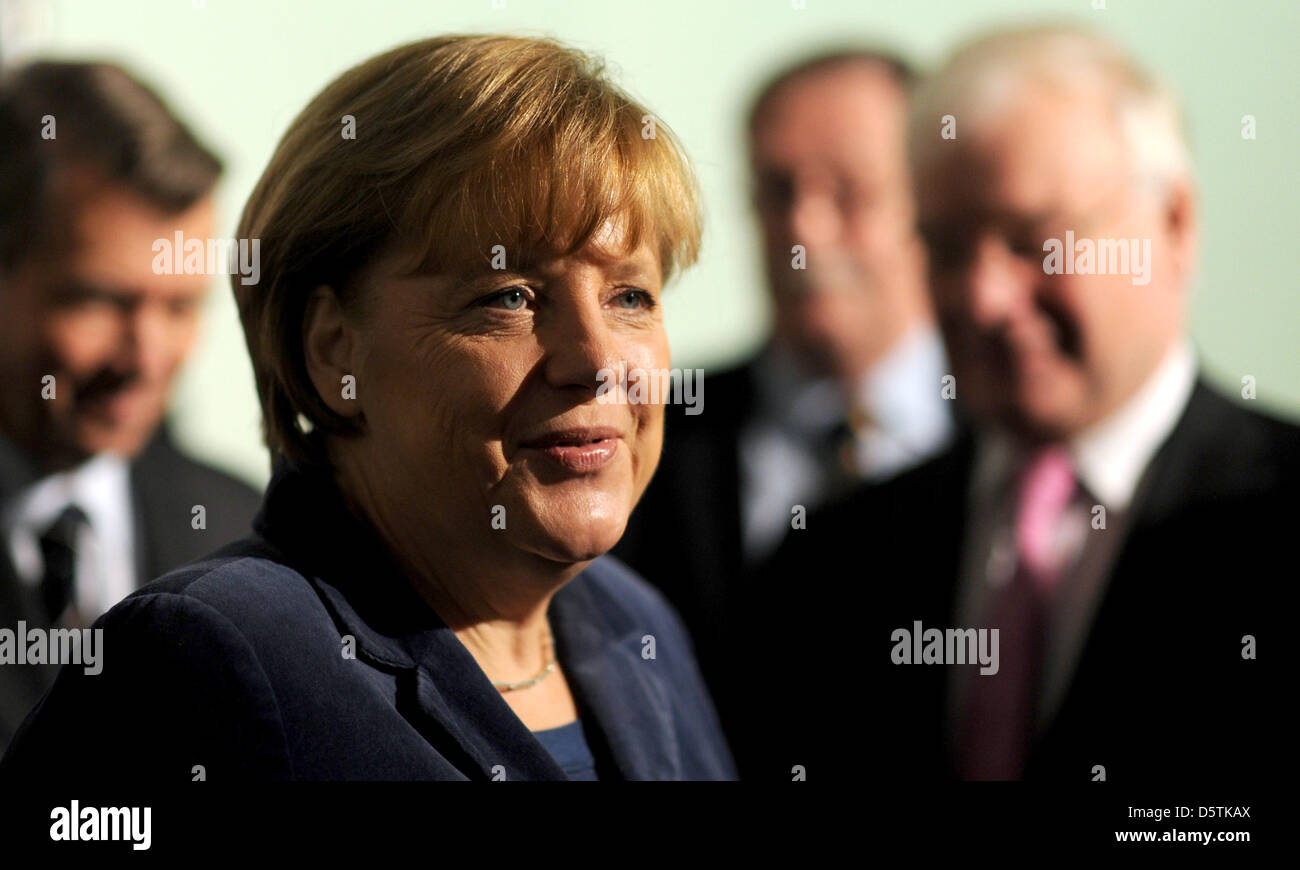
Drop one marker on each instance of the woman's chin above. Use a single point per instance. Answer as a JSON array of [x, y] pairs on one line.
[[578, 543], [573, 526]]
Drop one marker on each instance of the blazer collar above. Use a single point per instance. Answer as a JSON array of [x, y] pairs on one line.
[[598, 640]]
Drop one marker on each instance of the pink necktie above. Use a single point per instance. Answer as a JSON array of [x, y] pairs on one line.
[[998, 718]]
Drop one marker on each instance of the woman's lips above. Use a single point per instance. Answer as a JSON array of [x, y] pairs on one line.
[[577, 450], [585, 457]]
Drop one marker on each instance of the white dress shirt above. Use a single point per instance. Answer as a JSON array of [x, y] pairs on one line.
[[782, 450], [1110, 459], [105, 544]]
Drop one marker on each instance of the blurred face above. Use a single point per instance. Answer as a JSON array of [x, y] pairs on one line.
[[831, 175], [479, 398], [91, 312], [1046, 354]]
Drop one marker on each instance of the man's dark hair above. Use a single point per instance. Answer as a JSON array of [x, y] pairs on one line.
[[900, 70], [106, 123]]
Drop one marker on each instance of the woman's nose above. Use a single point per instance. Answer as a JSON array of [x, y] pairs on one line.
[[581, 347]]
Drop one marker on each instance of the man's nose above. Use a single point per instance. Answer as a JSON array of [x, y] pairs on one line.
[[148, 342], [813, 218], [996, 283]]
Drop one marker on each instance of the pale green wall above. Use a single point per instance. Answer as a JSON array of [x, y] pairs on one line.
[[240, 69]]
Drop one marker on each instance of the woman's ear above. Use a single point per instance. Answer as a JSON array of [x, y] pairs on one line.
[[328, 346]]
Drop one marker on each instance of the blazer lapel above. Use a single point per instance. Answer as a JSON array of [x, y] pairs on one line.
[[469, 710], [621, 691], [442, 690]]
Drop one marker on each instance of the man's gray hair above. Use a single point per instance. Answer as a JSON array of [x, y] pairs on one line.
[[984, 77]]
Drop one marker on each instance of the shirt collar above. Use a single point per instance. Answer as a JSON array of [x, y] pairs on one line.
[[1111, 455], [899, 391], [99, 486]]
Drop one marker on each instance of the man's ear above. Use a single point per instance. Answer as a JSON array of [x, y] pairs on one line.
[[1181, 224], [328, 346]]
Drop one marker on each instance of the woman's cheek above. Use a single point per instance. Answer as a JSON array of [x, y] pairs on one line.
[[650, 443]]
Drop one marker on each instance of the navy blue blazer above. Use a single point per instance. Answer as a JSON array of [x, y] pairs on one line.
[[236, 664]]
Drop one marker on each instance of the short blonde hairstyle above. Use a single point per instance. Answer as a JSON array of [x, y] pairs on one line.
[[461, 143], [984, 75]]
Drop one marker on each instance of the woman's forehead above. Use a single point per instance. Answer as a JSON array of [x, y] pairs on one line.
[[613, 247]]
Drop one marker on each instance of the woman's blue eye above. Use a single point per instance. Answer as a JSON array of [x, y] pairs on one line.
[[634, 299], [512, 299]]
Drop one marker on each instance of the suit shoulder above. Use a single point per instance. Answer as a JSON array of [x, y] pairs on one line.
[[737, 377], [901, 510], [163, 462], [1269, 434], [1233, 449], [939, 480], [168, 489], [247, 585], [728, 395]]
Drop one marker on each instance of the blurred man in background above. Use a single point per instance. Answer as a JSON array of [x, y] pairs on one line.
[[1124, 528], [848, 387], [94, 498]]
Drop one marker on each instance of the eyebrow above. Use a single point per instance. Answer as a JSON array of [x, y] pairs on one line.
[[629, 270], [1038, 218], [1008, 220], [75, 290], [617, 268]]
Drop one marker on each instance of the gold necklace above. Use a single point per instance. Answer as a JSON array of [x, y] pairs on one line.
[[547, 644]]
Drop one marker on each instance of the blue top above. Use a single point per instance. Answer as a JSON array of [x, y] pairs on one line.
[[568, 746]]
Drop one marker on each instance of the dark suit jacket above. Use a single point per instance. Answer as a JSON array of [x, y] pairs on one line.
[[1162, 692], [165, 486], [237, 663], [685, 534]]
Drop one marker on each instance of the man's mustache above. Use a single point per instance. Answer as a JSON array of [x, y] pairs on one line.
[[823, 273], [1065, 331], [103, 384], [1065, 335]]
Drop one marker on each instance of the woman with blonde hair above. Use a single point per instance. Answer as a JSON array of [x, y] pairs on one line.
[[460, 240]]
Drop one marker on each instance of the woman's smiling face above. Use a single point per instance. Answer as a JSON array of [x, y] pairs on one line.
[[484, 422]]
